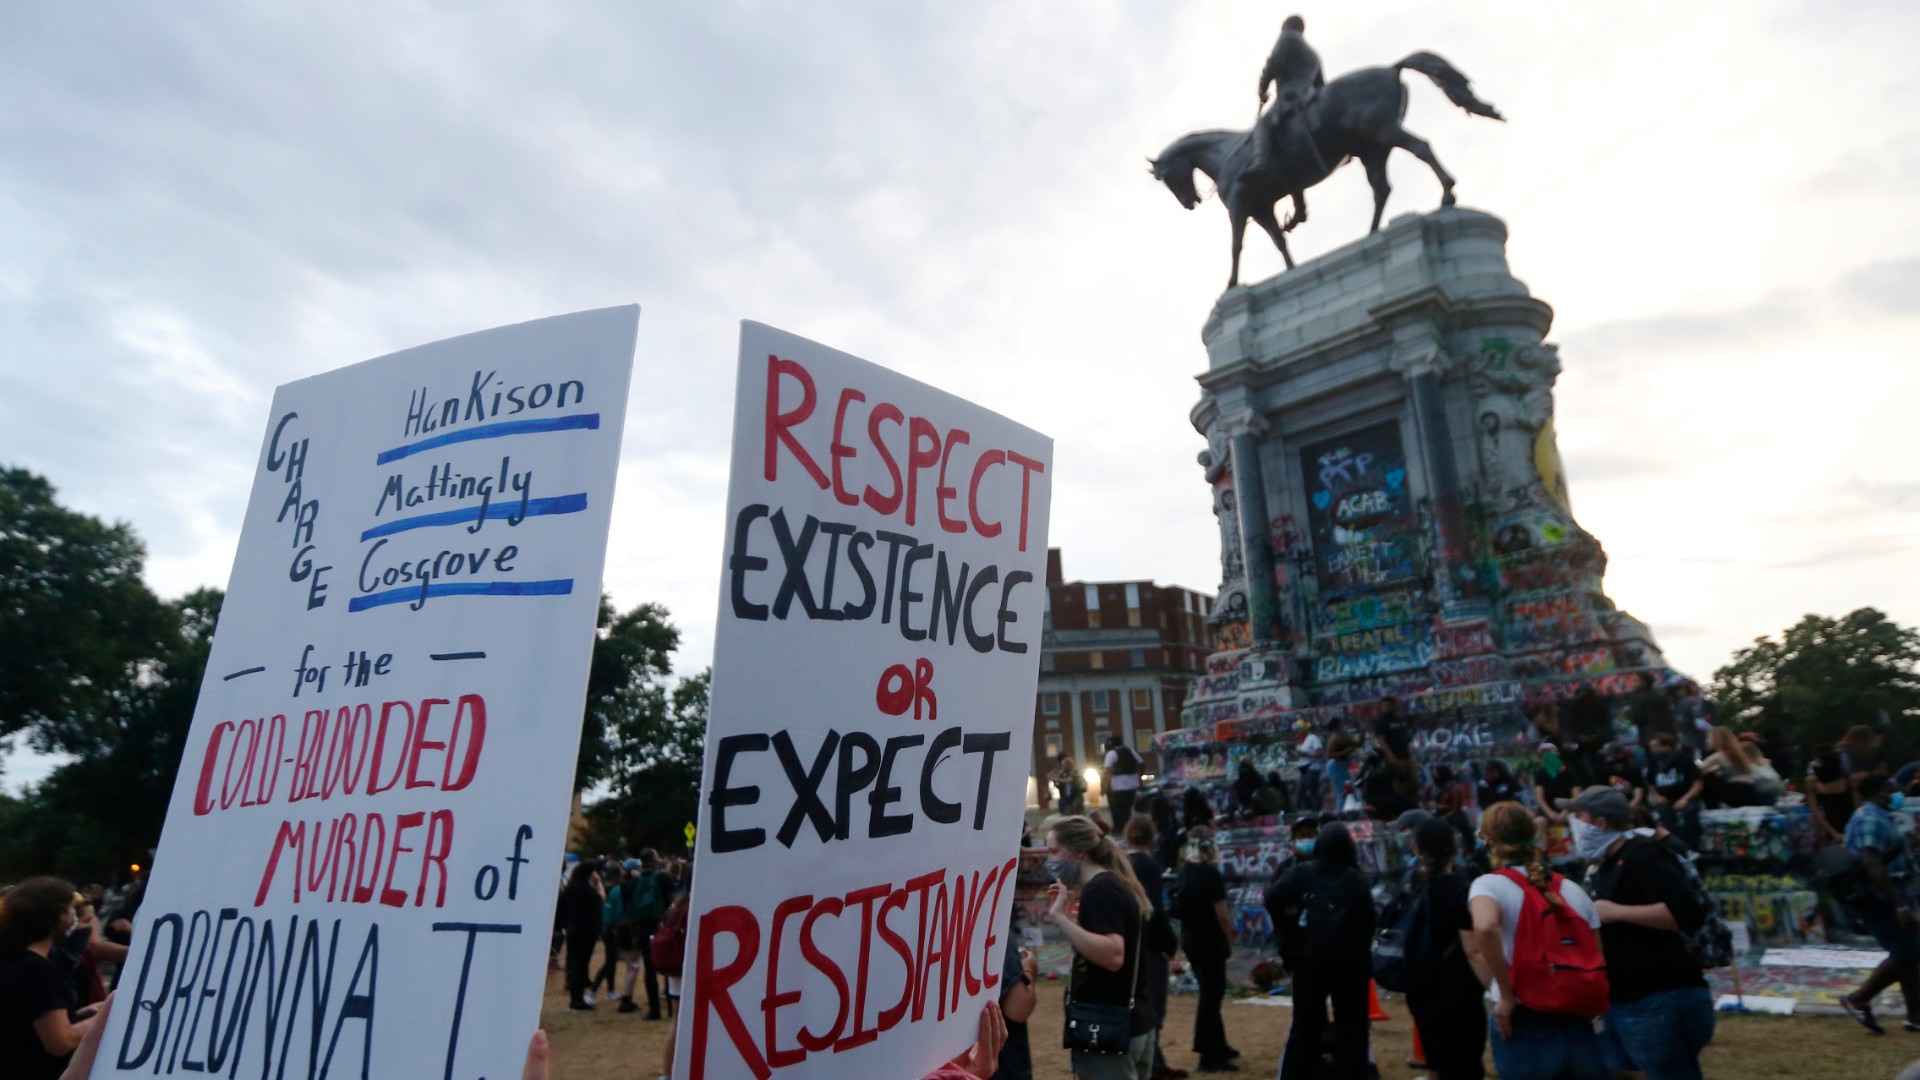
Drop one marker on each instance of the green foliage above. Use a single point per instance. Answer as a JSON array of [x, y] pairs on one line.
[[632, 658], [1825, 675], [102, 811], [655, 792], [75, 618]]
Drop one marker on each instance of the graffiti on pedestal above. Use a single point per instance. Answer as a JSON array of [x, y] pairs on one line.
[[1359, 511], [1403, 647]]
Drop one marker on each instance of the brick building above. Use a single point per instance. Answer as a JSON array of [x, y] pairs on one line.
[[1115, 658]]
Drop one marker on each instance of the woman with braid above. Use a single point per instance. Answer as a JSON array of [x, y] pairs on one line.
[[1527, 1045], [1107, 934]]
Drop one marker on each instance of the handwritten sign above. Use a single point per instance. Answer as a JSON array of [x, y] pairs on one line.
[[357, 872], [867, 750]]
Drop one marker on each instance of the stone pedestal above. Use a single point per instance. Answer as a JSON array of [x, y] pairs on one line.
[[1393, 515]]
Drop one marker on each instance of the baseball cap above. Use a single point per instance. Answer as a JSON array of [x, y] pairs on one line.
[[1602, 802]]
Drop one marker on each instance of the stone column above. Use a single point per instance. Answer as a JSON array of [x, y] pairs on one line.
[[1424, 365], [1250, 492]]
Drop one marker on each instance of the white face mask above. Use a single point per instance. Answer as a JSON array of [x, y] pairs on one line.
[[1590, 842]]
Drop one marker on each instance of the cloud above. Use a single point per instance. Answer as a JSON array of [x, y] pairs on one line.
[[1890, 288], [1687, 331]]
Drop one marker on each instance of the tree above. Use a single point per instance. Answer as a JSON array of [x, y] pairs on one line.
[[632, 657], [1825, 675], [659, 754], [75, 617], [97, 814]]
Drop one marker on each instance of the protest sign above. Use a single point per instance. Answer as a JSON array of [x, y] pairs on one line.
[[874, 670], [358, 869]]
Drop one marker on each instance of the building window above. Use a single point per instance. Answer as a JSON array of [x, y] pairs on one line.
[[1142, 700], [1137, 658], [1143, 738], [1046, 661], [1093, 597], [1101, 701], [1053, 746], [1050, 704], [1133, 596], [1097, 660], [1053, 723]]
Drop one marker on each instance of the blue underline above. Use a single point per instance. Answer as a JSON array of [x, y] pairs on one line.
[[555, 587], [590, 421], [498, 511]]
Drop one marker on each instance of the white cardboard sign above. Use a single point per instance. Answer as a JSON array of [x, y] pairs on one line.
[[875, 662], [357, 872]]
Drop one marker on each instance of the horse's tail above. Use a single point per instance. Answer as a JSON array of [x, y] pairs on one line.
[[1450, 81]]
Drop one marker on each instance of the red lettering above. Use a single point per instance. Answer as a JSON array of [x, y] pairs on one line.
[[320, 859], [837, 450], [306, 756], [779, 423], [886, 504], [475, 706], [203, 791], [440, 827], [347, 854], [931, 954], [941, 492], [861, 1034], [370, 849], [374, 786], [713, 987], [917, 971], [289, 836], [421, 743], [389, 895], [1028, 467], [988, 460], [891, 1015], [990, 973], [828, 905], [919, 459], [776, 999]]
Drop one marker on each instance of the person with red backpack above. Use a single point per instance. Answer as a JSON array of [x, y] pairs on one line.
[[1534, 945], [1661, 1012]]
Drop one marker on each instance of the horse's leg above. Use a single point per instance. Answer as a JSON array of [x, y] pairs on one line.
[[1239, 235], [1298, 216], [1264, 216], [1376, 166], [1417, 146]]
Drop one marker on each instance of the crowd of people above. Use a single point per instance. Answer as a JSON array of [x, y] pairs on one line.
[[1623, 805], [54, 941]]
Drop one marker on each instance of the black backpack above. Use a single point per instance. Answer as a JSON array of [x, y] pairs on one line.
[[1403, 946], [1128, 763], [1323, 920]]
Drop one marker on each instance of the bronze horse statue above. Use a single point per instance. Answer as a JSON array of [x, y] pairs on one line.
[[1355, 116]]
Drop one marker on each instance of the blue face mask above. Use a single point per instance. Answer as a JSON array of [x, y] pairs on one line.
[[1062, 871], [1899, 801], [1304, 847]]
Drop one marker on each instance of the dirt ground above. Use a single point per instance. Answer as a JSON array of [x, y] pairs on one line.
[[605, 1044]]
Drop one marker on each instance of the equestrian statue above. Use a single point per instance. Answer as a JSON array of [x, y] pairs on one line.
[[1312, 129]]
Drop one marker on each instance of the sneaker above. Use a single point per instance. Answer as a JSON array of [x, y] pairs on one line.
[[627, 1006], [1863, 1014], [580, 1006], [653, 1014], [588, 998], [1910, 1026]]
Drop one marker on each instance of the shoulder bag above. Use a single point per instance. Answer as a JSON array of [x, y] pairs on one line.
[[1096, 1027]]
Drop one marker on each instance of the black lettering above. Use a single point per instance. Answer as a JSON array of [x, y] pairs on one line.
[[1006, 617], [851, 778], [908, 596], [740, 564], [879, 822], [793, 554], [806, 787], [936, 808], [986, 744], [724, 795]]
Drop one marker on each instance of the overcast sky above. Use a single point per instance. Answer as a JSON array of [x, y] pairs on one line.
[[198, 203]]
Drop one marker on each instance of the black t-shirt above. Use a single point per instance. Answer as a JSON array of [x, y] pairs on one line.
[[30, 987], [1107, 906], [1498, 791], [1448, 915], [1640, 959], [1393, 731], [1201, 886], [1672, 775], [1625, 776], [1160, 924], [1286, 902], [1564, 786]]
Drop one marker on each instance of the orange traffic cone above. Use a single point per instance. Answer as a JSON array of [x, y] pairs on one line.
[[1419, 1050], [1374, 1011]]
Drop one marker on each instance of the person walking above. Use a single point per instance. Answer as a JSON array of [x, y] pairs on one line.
[[1206, 936], [1107, 935], [1162, 941], [1884, 901], [649, 891], [1527, 1044], [1445, 997], [1660, 1013], [580, 915], [1323, 918], [1121, 768]]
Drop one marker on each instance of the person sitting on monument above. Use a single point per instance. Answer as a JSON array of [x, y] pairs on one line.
[[1293, 71]]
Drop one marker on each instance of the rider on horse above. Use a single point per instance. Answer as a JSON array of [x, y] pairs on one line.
[[1293, 70]]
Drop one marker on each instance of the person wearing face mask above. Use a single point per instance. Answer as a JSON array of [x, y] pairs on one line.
[[1660, 1012], [1107, 934], [1556, 779], [1675, 784]]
